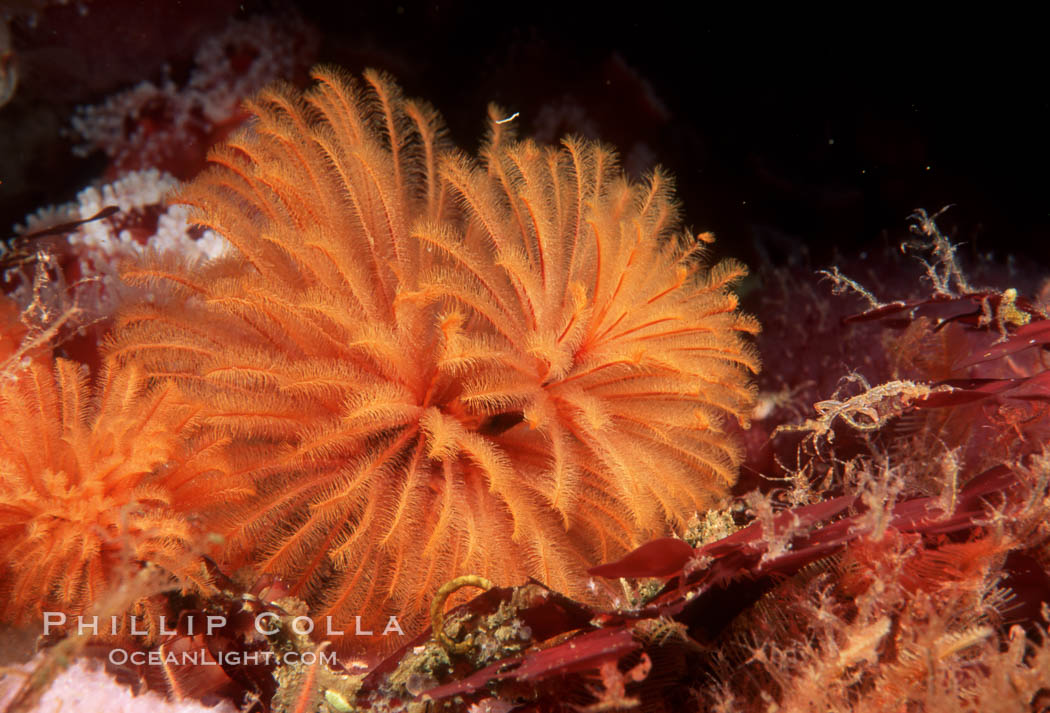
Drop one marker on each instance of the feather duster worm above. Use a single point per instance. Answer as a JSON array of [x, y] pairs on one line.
[[513, 368], [94, 483]]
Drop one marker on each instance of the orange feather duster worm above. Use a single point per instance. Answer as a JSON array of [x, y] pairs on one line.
[[94, 483], [510, 368]]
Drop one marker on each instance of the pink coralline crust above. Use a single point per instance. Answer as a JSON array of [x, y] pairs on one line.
[[86, 688]]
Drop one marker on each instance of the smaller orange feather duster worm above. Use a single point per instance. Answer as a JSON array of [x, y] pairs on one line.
[[509, 368], [94, 482]]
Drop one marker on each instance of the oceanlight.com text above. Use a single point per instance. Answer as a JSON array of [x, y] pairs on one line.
[[266, 623], [204, 657]]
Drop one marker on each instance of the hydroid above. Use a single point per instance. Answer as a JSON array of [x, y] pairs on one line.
[[95, 482], [514, 366]]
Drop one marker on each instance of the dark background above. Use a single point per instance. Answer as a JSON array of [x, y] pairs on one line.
[[790, 136]]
